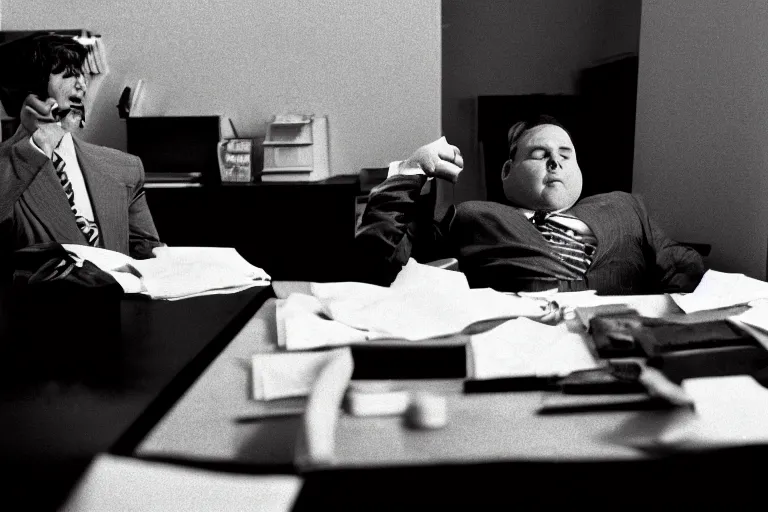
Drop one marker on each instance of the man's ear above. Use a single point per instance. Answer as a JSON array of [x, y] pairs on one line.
[[505, 169]]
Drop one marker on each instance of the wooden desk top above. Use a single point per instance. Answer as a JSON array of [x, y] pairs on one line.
[[52, 428], [201, 426], [495, 445]]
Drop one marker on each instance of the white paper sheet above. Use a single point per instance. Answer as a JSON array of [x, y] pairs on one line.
[[720, 290], [756, 316], [181, 271], [287, 374], [300, 325], [525, 348], [730, 411], [121, 484]]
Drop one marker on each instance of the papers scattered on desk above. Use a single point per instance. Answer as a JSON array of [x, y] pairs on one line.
[[423, 302], [177, 272], [720, 290], [525, 348], [730, 411], [126, 484]]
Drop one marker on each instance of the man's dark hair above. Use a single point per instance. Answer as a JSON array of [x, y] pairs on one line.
[[28, 63], [520, 127]]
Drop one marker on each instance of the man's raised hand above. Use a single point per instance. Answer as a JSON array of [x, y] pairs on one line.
[[438, 159], [38, 119]]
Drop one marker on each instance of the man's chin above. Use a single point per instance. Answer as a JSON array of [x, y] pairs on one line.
[[558, 200], [73, 121]]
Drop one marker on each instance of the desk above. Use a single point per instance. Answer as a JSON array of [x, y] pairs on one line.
[[495, 450], [52, 429]]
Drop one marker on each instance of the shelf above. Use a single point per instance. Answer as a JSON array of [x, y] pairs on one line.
[[290, 123], [285, 143], [285, 170]]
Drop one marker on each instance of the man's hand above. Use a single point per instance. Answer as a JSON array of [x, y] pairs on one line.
[[438, 159], [38, 119]]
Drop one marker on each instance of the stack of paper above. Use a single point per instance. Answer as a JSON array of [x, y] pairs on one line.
[[177, 272]]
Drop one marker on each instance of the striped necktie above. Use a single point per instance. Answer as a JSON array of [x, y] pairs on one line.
[[89, 228], [573, 251]]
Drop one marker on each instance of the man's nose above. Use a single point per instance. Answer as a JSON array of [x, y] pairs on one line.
[[81, 83], [553, 164]]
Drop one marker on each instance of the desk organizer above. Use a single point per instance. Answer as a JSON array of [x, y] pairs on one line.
[[296, 149]]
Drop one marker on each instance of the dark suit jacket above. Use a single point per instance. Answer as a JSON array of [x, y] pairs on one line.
[[34, 209], [498, 247]]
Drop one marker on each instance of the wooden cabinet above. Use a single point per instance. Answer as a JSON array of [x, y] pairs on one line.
[[294, 231]]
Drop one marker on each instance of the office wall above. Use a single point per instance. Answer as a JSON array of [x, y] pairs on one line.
[[701, 160], [372, 66], [521, 47]]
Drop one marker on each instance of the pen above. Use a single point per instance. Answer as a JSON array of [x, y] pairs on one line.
[[269, 415]]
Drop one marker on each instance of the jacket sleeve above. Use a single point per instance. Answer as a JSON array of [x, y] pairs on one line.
[[142, 234], [396, 226], [675, 267]]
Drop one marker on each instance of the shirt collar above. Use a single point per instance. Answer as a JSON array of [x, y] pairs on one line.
[[529, 213], [66, 147]]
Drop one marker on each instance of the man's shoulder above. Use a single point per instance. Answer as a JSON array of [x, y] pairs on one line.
[[611, 208], [7, 145], [608, 198], [485, 209], [121, 166], [483, 206], [107, 153]]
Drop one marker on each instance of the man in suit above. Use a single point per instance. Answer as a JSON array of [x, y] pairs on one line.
[[55, 187], [544, 238]]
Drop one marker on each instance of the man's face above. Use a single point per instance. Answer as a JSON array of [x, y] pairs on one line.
[[544, 174], [68, 88]]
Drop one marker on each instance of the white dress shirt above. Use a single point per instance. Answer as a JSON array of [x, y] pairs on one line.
[[395, 170], [66, 150]]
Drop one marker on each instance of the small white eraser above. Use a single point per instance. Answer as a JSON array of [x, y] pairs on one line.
[[386, 403], [428, 411]]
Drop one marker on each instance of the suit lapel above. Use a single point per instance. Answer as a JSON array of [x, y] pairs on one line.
[[44, 194], [591, 215], [107, 197]]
